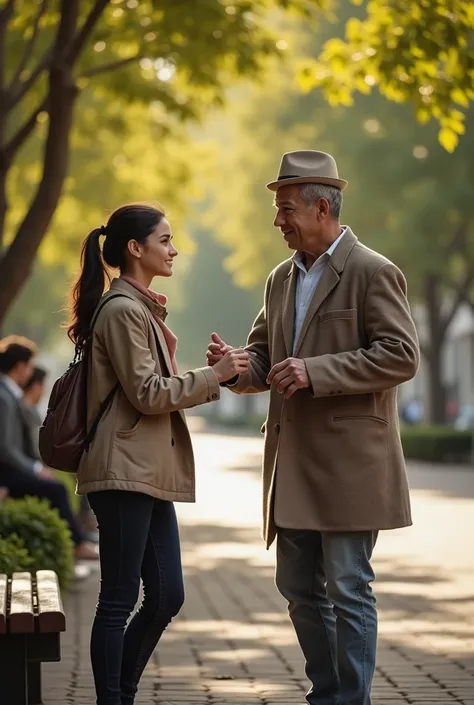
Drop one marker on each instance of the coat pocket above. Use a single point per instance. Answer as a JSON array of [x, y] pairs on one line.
[[361, 417], [338, 314], [126, 433]]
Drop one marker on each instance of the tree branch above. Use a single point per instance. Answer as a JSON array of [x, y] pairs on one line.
[[462, 295], [458, 242], [28, 53], [86, 30], [7, 11], [24, 132], [5, 16], [24, 87], [112, 66]]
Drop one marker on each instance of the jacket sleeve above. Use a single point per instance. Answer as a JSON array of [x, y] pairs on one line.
[[11, 456], [255, 379], [392, 355], [125, 337]]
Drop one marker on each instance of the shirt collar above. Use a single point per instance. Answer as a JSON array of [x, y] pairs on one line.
[[298, 256], [12, 386]]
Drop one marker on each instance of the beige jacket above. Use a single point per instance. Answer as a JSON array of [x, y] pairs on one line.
[[333, 459], [142, 443]]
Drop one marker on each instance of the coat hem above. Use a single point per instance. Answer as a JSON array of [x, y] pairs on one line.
[[270, 536], [84, 488]]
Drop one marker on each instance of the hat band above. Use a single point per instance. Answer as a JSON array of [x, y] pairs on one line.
[[290, 176]]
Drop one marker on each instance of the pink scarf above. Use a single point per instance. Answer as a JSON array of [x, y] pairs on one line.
[[161, 299]]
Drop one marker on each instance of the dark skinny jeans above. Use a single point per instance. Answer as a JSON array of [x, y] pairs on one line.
[[139, 538]]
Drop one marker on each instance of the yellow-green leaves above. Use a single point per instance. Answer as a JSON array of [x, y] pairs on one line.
[[413, 52]]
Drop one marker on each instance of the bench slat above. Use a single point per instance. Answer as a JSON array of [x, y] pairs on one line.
[[21, 618], [51, 617], [3, 603]]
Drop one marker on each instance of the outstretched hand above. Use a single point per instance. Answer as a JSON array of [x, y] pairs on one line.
[[217, 349], [289, 376]]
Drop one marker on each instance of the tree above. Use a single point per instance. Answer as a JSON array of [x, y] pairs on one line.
[[407, 197], [53, 53], [418, 51]]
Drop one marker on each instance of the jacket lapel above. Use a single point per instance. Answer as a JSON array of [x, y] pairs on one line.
[[329, 280], [327, 283], [288, 312], [162, 344], [127, 290]]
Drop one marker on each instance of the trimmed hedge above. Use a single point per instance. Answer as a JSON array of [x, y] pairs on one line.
[[40, 532], [437, 444], [14, 556]]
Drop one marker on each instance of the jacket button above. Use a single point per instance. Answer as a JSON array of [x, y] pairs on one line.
[[172, 441], [277, 427], [214, 396]]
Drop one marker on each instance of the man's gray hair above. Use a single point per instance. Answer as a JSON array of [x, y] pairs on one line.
[[311, 192]]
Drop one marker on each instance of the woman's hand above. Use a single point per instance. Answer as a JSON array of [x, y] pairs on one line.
[[234, 362]]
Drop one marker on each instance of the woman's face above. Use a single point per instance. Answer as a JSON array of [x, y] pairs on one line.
[[158, 252]]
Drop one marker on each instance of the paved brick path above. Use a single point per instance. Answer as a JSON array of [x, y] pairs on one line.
[[233, 642]]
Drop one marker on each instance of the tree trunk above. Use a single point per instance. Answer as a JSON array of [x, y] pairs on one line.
[[15, 266], [434, 356]]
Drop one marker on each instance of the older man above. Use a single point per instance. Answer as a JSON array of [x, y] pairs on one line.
[[332, 342]]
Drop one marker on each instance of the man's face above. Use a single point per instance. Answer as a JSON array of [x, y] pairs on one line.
[[300, 225], [36, 393], [23, 372]]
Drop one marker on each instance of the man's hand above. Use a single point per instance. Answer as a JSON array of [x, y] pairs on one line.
[[289, 376], [46, 474], [216, 350]]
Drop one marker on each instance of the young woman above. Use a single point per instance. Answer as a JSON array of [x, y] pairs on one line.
[[141, 458]]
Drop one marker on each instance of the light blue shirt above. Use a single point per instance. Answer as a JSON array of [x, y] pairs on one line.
[[307, 283]]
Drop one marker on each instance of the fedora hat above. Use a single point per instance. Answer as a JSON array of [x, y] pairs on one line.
[[307, 167]]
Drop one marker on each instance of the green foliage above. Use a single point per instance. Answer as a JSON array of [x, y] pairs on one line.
[[44, 535], [412, 51], [14, 556], [407, 197], [69, 481], [437, 444]]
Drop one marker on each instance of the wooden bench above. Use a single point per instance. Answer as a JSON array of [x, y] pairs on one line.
[[31, 620]]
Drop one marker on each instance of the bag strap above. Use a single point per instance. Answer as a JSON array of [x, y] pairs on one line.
[[105, 404]]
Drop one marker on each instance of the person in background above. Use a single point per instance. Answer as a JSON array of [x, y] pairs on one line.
[[33, 393], [21, 472]]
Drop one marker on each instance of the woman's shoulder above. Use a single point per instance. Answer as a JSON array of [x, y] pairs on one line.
[[120, 309]]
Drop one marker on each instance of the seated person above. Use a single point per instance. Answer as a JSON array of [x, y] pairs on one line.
[[21, 472]]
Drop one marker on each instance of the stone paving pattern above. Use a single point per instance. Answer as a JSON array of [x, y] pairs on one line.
[[233, 642]]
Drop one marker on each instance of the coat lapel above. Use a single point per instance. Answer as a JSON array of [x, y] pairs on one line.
[[288, 313], [162, 344], [329, 280], [327, 283]]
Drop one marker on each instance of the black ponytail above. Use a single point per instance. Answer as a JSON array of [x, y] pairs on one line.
[[132, 222], [88, 289]]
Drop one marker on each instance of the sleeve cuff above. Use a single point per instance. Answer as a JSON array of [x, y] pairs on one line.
[[38, 467], [213, 388]]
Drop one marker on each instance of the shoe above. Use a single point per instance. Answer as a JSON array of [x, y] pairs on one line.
[[86, 551]]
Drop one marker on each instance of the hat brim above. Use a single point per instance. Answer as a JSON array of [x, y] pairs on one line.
[[327, 181]]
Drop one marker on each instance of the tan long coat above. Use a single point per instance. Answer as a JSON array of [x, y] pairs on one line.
[[333, 459], [142, 442]]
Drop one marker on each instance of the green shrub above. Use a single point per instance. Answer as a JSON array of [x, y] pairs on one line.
[[437, 444], [45, 536], [69, 480], [14, 556]]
